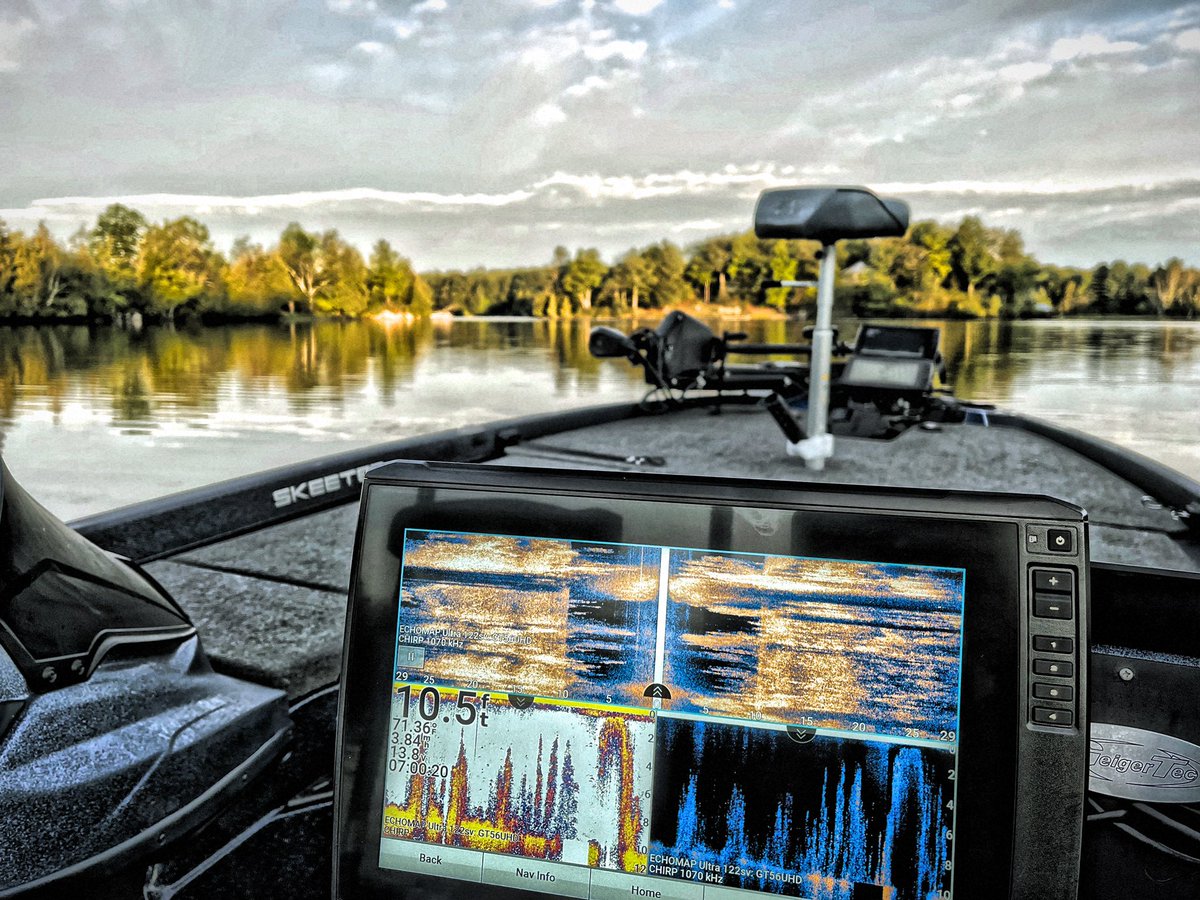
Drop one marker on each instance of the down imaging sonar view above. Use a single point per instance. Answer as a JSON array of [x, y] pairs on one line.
[[603, 720]]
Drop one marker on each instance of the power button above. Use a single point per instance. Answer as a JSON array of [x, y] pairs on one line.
[[1060, 540]]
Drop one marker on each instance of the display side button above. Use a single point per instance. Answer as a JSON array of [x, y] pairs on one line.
[[1045, 716], [1048, 644], [1063, 692], [431, 859], [536, 875], [608, 885], [1059, 581], [1053, 606], [1053, 667]]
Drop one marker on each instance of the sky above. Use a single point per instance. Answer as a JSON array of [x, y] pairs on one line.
[[486, 132]]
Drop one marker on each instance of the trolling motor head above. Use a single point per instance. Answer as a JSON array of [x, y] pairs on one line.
[[677, 354], [608, 343]]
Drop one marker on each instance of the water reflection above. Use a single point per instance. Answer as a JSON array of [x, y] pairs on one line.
[[161, 409]]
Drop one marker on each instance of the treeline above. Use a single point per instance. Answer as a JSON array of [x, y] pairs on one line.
[[968, 271], [125, 265]]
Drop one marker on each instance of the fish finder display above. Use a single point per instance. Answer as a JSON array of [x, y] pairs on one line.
[[600, 720]]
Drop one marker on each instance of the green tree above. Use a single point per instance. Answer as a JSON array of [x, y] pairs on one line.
[[934, 239], [343, 291], [582, 275], [667, 285], [632, 276], [177, 265], [114, 245], [421, 298], [748, 267], [709, 261], [8, 270], [783, 268], [390, 278], [39, 273], [972, 256], [255, 283], [1099, 289], [1016, 279], [300, 255]]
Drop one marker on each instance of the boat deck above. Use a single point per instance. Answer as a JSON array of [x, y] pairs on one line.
[[270, 605]]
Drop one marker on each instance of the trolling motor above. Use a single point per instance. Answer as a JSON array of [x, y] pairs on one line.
[[876, 388]]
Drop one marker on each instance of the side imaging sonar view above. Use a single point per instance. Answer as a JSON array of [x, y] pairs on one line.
[[566, 713], [825, 642]]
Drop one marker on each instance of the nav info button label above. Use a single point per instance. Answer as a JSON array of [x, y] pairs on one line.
[[431, 859], [536, 875]]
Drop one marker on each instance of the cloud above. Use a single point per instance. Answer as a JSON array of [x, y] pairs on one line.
[[1078, 223], [637, 7], [628, 50], [373, 48], [352, 7], [590, 84], [429, 6], [1188, 40], [12, 34], [1026, 71], [403, 29], [1089, 45], [281, 98], [548, 114], [329, 76]]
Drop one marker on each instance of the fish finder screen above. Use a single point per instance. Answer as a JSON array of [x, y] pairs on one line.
[[601, 720]]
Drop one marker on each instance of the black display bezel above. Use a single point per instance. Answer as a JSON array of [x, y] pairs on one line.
[[971, 532]]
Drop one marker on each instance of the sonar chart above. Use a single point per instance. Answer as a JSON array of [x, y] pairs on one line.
[[591, 711], [577, 798]]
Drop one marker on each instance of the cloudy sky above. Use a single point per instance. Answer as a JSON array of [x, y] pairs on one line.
[[488, 131]]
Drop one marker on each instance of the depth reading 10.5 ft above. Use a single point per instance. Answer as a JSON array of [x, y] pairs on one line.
[[429, 703]]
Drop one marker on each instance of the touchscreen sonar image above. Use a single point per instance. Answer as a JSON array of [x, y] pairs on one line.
[[574, 794], [822, 641], [547, 617], [607, 720], [827, 805]]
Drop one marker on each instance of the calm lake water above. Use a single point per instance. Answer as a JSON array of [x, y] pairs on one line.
[[91, 419]]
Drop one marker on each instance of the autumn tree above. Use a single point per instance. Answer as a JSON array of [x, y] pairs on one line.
[[1175, 288]]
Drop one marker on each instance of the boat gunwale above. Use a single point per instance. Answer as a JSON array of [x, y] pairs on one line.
[[197, 517]]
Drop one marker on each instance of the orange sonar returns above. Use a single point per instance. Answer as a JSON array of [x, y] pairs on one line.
[[530, 820]]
